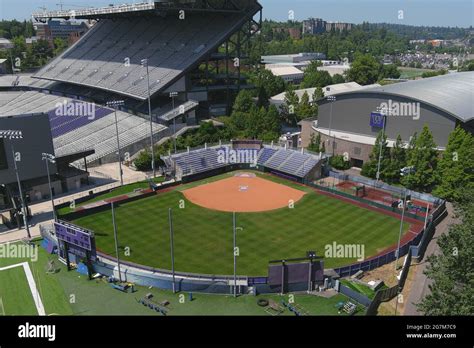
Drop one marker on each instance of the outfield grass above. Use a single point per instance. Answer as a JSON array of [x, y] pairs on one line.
[[16, 294], [203, 238], [121, 190]]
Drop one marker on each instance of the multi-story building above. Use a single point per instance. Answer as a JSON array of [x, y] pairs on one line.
[[318, 26], [60, 29], [314, 26]]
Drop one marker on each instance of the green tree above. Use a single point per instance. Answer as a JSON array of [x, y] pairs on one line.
[[290, 106], [318, 94], [456, 167], [243, 102], [305, 109], [452, 270], [397, 161], [365, 70], [389, 71], [315, 143], [339, 162], [59, 45], [272, 84], [424, 158], [369, 168], [262, 100], [337, 78], [316, 79]]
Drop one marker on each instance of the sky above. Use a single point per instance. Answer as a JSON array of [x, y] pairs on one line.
[[415, 12]]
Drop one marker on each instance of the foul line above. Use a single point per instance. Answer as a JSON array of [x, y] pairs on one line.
[[31, 282]]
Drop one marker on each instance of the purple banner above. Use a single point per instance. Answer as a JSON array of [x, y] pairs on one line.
[[377, 120]]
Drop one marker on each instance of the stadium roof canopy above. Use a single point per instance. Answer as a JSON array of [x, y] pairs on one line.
[[109, 56], [452, 93]]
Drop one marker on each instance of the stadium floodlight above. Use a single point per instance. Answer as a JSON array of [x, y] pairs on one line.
[[383, 112], [115, 104], [332, 99], [11, 135], [48, 158], [117, 255], [170, 219], [172, 96], [144, 63], [404, 202]]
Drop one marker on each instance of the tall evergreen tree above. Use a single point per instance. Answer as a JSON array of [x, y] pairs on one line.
[[456, 167], [452, 270], [423, 156], [305, 109], [318, 94], [369, 168], [289, 108], [397, 162], [263, 99]]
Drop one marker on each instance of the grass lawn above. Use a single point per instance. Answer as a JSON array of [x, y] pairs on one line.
[[203, 238], [16, 294], [95, 297], [411, 73], [115, 192], [365, 290]]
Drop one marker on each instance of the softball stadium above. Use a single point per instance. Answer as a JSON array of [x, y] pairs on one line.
[[220, 227]]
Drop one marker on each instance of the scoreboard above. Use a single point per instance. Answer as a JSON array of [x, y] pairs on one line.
[[74, 240]]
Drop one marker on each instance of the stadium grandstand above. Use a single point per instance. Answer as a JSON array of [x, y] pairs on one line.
[[89, 129], [292, 164], [165, 60]]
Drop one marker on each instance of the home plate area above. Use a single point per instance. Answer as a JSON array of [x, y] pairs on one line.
[[244, 192]]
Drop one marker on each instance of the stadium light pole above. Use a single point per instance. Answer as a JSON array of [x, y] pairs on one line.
[[48, 158], [170, 218], [332, 99], [384, 114], [115, 104], [10, 135], [144, 63], [401, 229], [235, 259], [172, 96], [116, 241]]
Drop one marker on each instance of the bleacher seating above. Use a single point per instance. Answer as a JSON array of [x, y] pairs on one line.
[[287, 161], [72, 134], [265, 155], [98, 59], [197, 161]]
